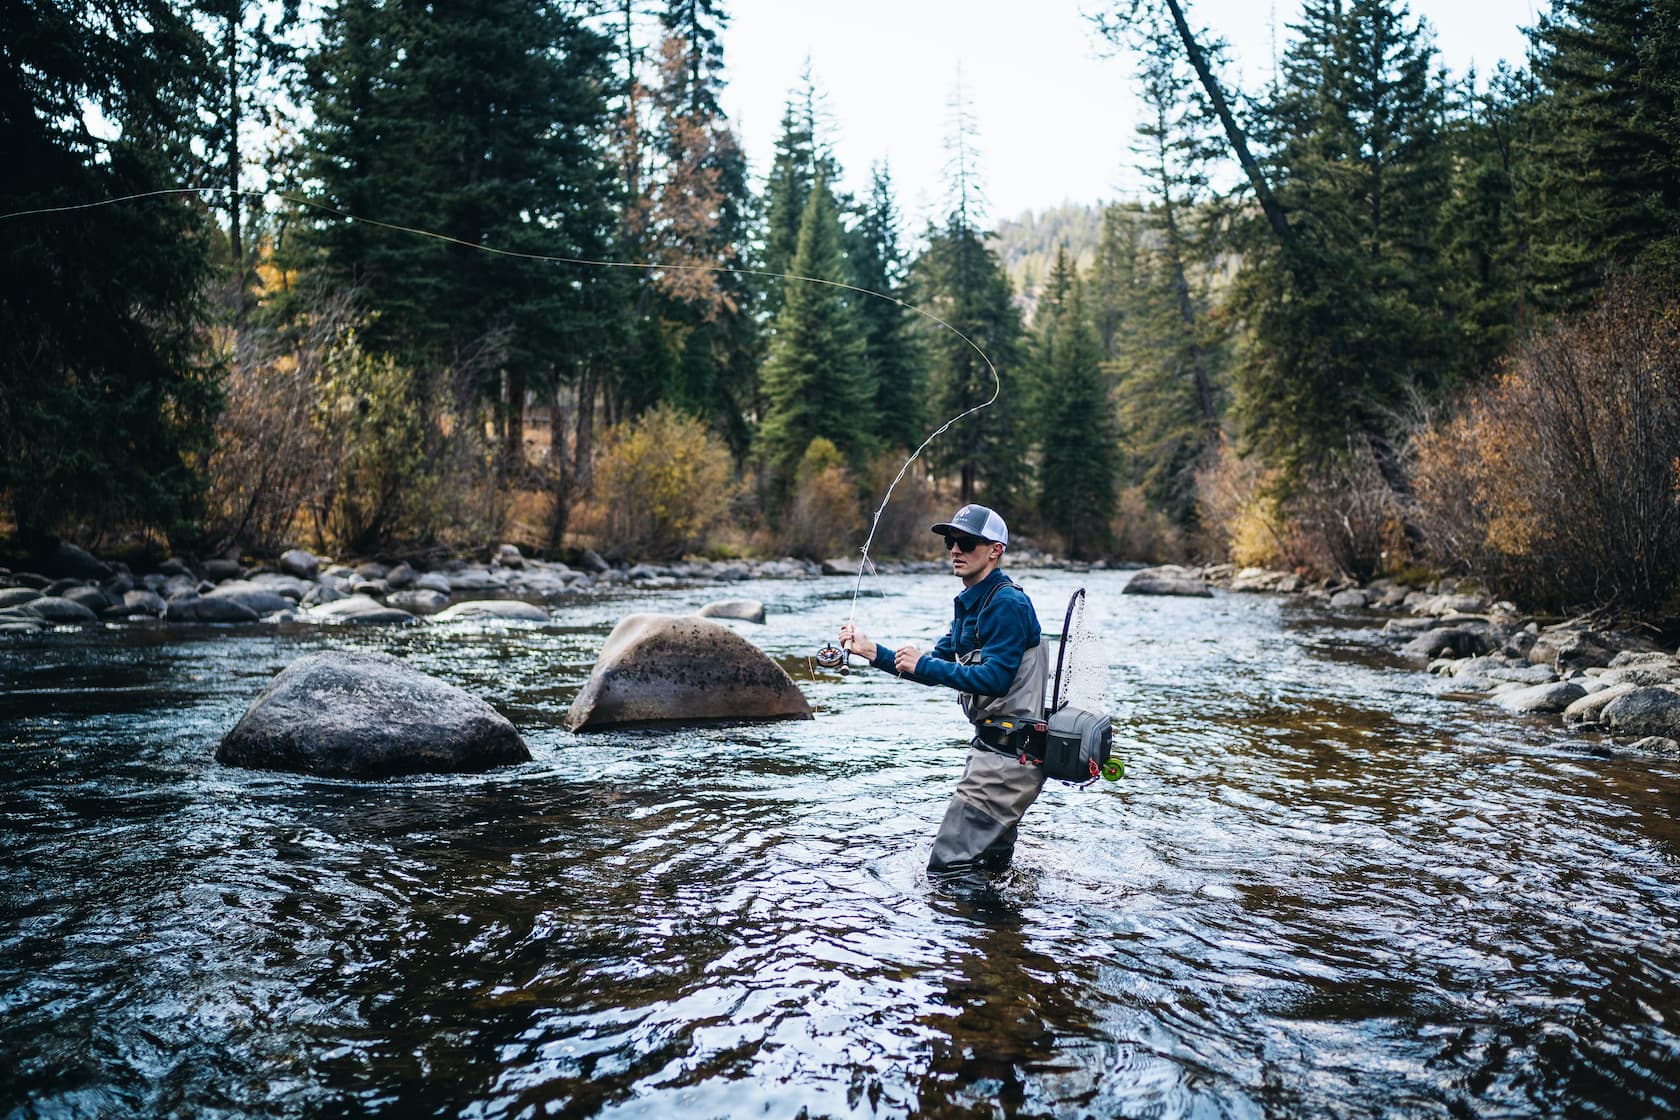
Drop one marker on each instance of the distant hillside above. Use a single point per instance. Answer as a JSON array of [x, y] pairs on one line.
[[1027, 245]]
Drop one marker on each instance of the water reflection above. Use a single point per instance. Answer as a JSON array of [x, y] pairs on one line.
[[1319, 891]]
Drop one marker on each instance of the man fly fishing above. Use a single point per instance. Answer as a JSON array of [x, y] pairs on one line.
[[994, 657]]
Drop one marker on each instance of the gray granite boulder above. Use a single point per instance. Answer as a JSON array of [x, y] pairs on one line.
[[1644, 712], [220, 569], [261, 599], [142, 601], [747, 610], [433, 581], [356, 609], [418, 600], [674, 669], [510, 610], [303, 565], [1168, 579], [1658, 670], [93, 598], [1564, 650], [53, 609], [281, 583], [1588, 707], [363, 715], [202, 608], [1451, 641], [13, 596], [1553, 697], [1352, 598]]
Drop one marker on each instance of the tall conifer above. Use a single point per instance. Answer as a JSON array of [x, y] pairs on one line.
[[815, 380], [106, 390]]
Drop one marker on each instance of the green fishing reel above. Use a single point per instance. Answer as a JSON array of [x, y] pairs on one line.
[[1113, 770]]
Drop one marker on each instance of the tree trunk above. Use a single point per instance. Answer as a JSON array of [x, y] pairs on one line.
[[1269, 204]]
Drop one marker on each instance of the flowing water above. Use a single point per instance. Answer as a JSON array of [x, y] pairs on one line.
[[1320, 890]]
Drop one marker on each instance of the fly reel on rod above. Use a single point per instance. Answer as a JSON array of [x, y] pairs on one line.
[[831, 656]]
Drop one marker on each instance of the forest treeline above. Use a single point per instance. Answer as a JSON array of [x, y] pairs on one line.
[[389, 276]]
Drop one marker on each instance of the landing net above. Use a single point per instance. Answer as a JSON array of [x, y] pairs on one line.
[[1081, 662]]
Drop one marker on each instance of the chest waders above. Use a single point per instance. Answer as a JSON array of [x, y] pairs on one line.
[[982, 819]]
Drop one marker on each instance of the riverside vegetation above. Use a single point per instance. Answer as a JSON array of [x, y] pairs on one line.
[[1430, 332]]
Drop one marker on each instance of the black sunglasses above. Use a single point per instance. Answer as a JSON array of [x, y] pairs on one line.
[[967, 544]]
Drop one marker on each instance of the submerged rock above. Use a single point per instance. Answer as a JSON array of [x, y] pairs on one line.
[[513, 610], [358, 609], [366, 715], [657, 668]]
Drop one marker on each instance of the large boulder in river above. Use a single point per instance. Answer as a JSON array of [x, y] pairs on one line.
[[1168, 579], [657, 668], [367, 715]]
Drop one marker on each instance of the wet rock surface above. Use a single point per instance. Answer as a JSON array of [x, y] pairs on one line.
[[361, 715], [672, 669]]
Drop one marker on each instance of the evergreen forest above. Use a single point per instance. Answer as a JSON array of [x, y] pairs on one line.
[[380, 278]]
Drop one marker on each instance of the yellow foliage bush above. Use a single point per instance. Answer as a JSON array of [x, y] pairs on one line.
[[823, 519], [662, 483], [1239, 512]]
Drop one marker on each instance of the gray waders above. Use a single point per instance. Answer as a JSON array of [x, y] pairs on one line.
[[978, 833]]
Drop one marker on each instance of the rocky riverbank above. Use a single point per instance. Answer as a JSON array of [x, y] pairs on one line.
[[75, 588], [1620, 684]]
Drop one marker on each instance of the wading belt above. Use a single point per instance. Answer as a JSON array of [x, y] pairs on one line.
[[1012, 736]]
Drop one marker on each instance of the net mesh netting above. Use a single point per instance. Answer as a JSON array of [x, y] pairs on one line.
[[1084, 662]]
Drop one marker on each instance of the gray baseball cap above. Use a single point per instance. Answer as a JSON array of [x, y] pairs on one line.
[[976, 521]]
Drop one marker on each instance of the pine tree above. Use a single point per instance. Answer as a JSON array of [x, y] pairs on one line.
[[816, 380], [1076, 437], [800, 159], [1361, 167], [254, 58], [1114, 273], [961, 281], [1605, 184], [878, 265], [106, 389], [1487, 227], [483, 122]]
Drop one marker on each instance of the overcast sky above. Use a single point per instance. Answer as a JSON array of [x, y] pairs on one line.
[[1056, 119]]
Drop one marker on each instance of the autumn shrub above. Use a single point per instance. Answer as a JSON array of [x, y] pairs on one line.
[[1239, 511], [1143, 533], [660, 484], [1345, 517], [270, 463], [1560, 481], [902, 528], [322, 439], [823, 518]]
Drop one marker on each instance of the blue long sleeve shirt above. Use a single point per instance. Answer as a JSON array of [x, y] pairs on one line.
[[1003, 634]]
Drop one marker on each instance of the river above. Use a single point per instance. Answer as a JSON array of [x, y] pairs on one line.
[[1320, 890]]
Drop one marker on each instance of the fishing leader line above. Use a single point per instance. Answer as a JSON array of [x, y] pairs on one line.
[[864, 562]]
